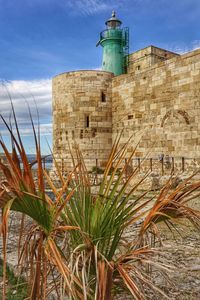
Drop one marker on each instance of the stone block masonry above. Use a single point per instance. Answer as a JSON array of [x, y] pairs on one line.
[[82, 113], [145, 58], [158, 101], [162, 103]]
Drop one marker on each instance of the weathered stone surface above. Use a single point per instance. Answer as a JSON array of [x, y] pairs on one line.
[[143, 59], [82, 113], [159, 103]]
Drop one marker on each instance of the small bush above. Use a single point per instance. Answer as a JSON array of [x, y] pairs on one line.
[[97, 170]]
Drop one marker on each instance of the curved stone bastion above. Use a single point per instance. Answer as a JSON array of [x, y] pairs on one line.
[[82, 114]]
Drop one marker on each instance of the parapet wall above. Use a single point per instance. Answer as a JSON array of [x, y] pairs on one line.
[[162, 105], [82, 113], [143, 59]]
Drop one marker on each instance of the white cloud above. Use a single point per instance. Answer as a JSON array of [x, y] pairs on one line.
[[181, 47], [36, 94], [75, 7], [45, 130], [194, 45], [98, 68], [84, 7], [87, 7], [91, 7]]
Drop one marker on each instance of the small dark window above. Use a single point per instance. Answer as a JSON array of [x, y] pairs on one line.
[[103, 97], [87, 121], [81, 134], [138, 68], [130, 117]]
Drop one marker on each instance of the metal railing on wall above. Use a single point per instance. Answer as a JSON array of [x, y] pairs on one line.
[[162, 166]]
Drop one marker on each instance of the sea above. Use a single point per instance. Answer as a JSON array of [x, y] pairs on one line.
[[47, 161]]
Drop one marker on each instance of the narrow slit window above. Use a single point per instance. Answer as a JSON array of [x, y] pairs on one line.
[[103, 97], [87, 121]]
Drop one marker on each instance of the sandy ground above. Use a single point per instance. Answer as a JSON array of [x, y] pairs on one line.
[[184, 253]]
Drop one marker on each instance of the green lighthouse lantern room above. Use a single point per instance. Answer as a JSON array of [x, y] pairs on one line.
[[115, 43]]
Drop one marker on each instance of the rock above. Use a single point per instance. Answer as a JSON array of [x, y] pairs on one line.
[[175, 182], [155, 184], [195, 268]]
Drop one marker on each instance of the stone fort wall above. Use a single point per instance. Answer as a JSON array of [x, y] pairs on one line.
[[82, 114], [161, 105], [145, 58], [157, 102]]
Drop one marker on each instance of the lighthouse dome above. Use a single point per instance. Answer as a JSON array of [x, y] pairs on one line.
[[113, 22]]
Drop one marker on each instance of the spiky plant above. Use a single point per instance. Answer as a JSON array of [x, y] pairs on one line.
[[76, 245], [21, 192]]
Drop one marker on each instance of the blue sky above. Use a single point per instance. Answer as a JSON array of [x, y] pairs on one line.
[[41, 38]]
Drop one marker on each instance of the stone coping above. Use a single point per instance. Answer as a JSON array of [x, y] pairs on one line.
[[83, 71]]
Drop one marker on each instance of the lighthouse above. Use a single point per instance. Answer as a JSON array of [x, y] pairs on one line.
[[115, 43]]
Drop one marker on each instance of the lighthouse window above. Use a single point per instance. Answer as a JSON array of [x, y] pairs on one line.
[[103, 97], [87, 121], [138, 68]]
